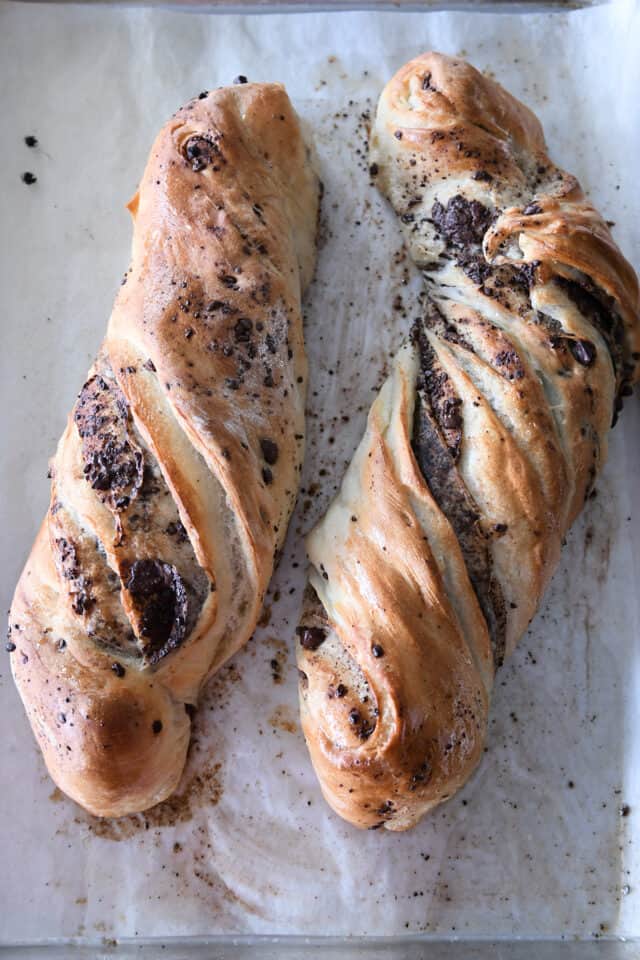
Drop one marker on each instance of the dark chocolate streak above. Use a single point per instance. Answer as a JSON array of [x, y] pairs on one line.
[[437, 434]]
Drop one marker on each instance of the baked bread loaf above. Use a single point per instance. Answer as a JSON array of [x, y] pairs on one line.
[[173, 483], [479, 451]]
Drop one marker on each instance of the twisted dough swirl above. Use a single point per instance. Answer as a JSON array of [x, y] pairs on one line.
[[479, 451], [173, 483]]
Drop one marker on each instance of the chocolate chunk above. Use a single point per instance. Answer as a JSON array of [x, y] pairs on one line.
[[462, 222], [160, 601], [269, 450], [31, 141], [149, 365], [240, 79], [28, 177], [311, 637], [118, 669], [354, 717], [201, 152], [584, 351], [242, 330], [531, 209], [377, 650], [9, 646], [267, 475], [373, 170], [156, 726]]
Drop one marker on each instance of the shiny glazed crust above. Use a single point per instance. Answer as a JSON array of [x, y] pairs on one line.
[[174, 481], [479, 451]]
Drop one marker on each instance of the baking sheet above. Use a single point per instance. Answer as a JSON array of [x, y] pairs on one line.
[[543, 840]]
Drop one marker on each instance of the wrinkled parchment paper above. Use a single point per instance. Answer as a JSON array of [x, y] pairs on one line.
[[543, 840]]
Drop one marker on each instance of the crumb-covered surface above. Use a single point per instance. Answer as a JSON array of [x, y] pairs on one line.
[[542, 840]]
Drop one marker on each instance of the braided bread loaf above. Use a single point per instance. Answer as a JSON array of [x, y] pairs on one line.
[[479, 451], [174, 481]]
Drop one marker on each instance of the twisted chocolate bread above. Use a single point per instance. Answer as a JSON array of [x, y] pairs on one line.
[[479, 451], [174, 481]]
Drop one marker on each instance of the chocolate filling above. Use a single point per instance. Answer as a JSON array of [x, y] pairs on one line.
[[161, 606], [437, 435], [113, 461], [462, 222], [79, 586], [599, 310]]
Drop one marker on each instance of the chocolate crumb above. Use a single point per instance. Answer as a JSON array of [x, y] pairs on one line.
[[28, 177]]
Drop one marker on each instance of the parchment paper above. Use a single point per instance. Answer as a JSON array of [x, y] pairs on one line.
[[543, 840]]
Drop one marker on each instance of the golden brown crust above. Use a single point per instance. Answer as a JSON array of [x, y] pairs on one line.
[[176, 476], [479, 451], [409, 722]]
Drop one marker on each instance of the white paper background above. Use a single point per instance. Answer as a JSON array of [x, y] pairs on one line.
[[518, 851]]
